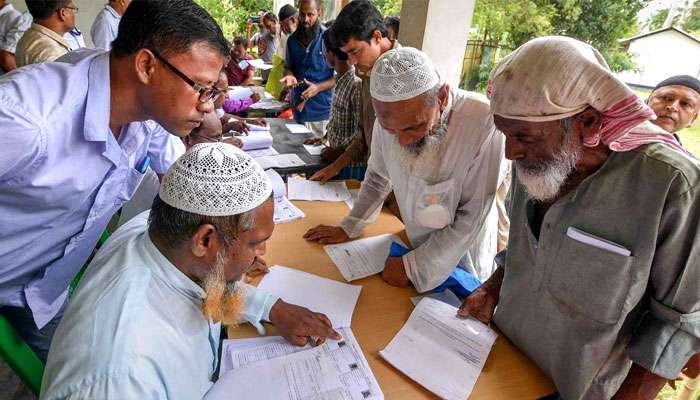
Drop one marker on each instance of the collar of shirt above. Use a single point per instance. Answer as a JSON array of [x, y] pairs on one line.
[[113, 12], [51, 34], [170, 273]]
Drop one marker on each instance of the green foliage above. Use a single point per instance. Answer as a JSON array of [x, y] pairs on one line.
[[619, 60], [388, 7], [510, 23], [233, 14], [692, 24], [657, 20]]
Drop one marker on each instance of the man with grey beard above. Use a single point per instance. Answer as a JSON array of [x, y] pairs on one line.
[[438, 149], [146, 319], [599, 282]]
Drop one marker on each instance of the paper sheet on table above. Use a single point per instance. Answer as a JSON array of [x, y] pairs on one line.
[[253, 127], [361, 258], [314, 150], [298, 128], [265, 104], [285, 211], [280, 161], [350, 201], [256, 140], [260, 64], [239, 92], [335, 299], [270, 151], [279, 189], [303, 189], [443, 353], [447, 296], [303, 370]]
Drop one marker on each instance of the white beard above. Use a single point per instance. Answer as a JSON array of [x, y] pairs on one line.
[[543, 181], [425, 151]]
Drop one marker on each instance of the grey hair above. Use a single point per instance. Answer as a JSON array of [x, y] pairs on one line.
[[176, 226], [430, 97]]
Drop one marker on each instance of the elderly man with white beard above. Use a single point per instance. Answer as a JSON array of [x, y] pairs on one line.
[[146, 318], [600, 282], [438, 149]]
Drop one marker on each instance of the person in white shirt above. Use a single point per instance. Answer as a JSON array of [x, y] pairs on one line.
[[106, 25], [146, 319], [10, 19], [438, 149]]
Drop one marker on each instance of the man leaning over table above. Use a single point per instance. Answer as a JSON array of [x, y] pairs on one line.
[[600, 285], [438, 149], [75, 154], [145, 321]]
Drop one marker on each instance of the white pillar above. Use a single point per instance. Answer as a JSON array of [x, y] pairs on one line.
[[277, 4], [440, 28]]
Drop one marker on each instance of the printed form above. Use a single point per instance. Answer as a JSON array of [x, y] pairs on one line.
[[303, 189], [361, 258], [333, 370], [440, 351]]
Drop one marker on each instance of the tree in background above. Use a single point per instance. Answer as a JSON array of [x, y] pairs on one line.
[[388, 7], [233, 14]]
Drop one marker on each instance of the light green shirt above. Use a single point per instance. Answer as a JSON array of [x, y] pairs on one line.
[[583, 314]]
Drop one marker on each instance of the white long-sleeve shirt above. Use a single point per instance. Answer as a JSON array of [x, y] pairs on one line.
[[463, 174]]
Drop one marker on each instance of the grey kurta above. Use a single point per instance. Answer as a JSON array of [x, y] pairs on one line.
[[584, 314]]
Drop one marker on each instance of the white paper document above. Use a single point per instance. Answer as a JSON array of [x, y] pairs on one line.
[[279, 189], [298, 128], [334, 370], [280, 161], [270, 151], [353, 196], [361, 258], [256, 140], [260, 64], [335, 299], [253, 127], [314, 150], [443, 353], [266, 104], [303, 189], [286, 211]]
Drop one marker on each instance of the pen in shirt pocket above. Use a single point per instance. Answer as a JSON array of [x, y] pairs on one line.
[[143, 165]]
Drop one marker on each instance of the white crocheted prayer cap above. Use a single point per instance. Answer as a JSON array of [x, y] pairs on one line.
[[402, 74], [215, 179]]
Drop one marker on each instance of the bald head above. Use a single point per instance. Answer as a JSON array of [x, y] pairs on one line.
[[209, 131]]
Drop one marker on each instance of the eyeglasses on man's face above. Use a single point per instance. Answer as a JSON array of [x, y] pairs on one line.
[[74, 8], [206, 93]]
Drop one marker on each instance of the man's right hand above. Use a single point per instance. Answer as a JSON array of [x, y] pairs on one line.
[[325, 234], [289, 81], [480, 305], [315, 141], [325, 174], [300, 325]]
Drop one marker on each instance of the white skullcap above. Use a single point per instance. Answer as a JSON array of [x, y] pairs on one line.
[[215, 179], [402, 74]]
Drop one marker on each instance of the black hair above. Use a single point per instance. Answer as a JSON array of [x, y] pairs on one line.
[[393, 22], [270, 16], [42, 9], [240, 41], [329, 23], [329, 44], [168, 27], [358, 20]]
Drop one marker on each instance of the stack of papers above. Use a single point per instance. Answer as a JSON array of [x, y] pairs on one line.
[[335, 299], [279, 189], [298, 128], [361, 258], [259, 64], [314, 149], [334, 370], [302, 189], [280, 161], [257, 139], [267, 104], [443, 353]]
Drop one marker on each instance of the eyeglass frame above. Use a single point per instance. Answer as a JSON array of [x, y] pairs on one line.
[[201, 90], [75, 9]]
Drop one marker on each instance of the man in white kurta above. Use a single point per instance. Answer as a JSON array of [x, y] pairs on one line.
[[136, 328], [446, 193]]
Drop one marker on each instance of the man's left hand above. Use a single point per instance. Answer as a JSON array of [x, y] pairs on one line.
[[256, 121], [311, 90], [300, 325], [394, 272], [236, 125]]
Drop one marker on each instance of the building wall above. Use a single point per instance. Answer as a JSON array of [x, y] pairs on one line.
[[88, 10], [662, 55]]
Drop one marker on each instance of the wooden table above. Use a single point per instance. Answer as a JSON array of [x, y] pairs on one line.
[[382, 310]]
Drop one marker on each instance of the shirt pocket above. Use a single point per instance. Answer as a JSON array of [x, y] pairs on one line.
[[435, 203], [131, 183], [591, 281]]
